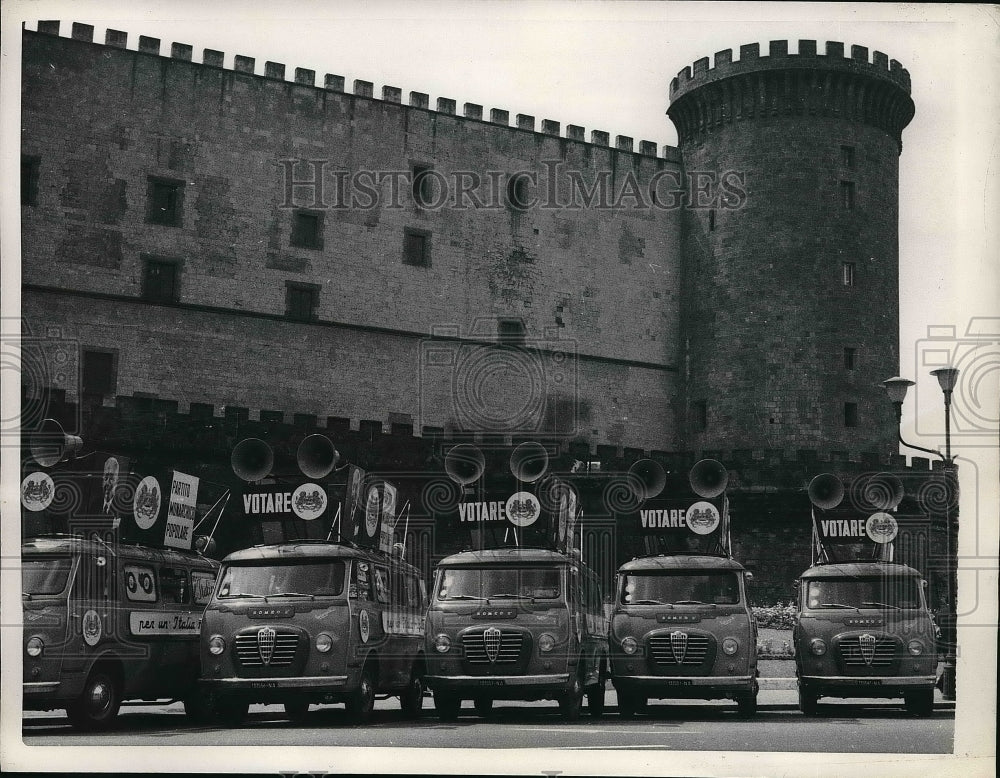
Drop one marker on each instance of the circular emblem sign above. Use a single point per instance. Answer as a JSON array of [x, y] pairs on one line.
[[372, 512], [523, 509], [146, 506], [308, 501], [37, 491], [91, 628], [702, 518], [364, 626], [881, 527]]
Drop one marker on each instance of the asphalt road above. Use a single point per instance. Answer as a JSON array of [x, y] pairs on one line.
[[857, 726]]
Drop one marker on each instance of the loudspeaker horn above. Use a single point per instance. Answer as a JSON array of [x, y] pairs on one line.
[[883, 491], [650, 476], [51, 444], [252, 459], [708, 478], [316, 456], [529, 461], [826, 491], [464, 463]]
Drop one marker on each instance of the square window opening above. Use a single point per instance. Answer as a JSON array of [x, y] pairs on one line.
[[98, 372], [850, 414], [416, 248], [307, 230], [301, 302], [161, 281], [165, 199]]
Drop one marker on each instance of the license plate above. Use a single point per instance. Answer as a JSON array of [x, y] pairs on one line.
[[679, 683], [870, 682], [492, 682], [264, 685]]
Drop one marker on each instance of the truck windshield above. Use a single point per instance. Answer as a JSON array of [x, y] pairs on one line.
[[685, 587], [305, 579], [874, 592], [480, 583], [45, 576]]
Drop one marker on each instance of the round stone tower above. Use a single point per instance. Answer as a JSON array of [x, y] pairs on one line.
[[790, 287]]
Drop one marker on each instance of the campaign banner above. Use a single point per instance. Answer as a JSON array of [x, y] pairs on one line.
[[284, 502], [353, 515], [52, 498], [181, 511], [847, 535], [152, 623], [679, 525], [388, 520]]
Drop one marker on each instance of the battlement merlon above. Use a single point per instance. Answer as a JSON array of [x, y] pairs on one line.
[[305, 77], [874, 93], [778, 58]]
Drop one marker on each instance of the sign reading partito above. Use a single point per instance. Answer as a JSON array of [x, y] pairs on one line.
[[181, 510]]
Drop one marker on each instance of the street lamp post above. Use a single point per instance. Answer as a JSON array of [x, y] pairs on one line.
[[896, 388]]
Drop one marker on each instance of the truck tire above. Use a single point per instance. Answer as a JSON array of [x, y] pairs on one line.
[[447, 705], [595, 699], [483, 706], [746, 704], [361, 703], [296, 710], [572, 699], [920, 703], [97, 706], [412, 698], [808, 702]]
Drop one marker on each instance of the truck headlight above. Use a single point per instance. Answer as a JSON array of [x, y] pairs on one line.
[[442, 643], [817, 646], [323, 642], [630, 645], [546, 642], [730, 646], [34, 646], [915, 647], [216, 645]]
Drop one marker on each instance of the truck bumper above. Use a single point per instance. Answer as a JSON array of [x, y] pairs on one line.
[[680, 687], [852, 686]]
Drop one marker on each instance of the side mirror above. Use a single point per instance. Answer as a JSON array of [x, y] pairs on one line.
[[749, 576]]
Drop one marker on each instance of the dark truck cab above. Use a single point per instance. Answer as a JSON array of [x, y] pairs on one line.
[[682, 629], [516, 623], [864, 630]]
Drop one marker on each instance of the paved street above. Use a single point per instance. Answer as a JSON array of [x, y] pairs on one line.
[[849, 726]]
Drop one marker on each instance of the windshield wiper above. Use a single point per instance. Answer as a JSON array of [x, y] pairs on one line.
[[693, 602], [510, 596], [460, 597], [238, 594], [881, 605], [838, 605], [289, 594], [649, 602]]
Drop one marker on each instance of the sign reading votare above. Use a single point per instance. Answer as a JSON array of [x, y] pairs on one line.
[[181, 508], [283, 502]]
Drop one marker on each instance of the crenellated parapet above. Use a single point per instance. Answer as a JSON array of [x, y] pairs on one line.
[[874, 91], [305, 77]]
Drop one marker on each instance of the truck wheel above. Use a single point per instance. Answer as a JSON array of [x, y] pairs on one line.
[[198, 708], [447, 705], [361, 703], [483, 706], [232, 713], [412, 699], [808, 702], [297, 710], [746, 704], [920, 703], [595, 699], [572, 700], [630, 703], [98, 704]]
